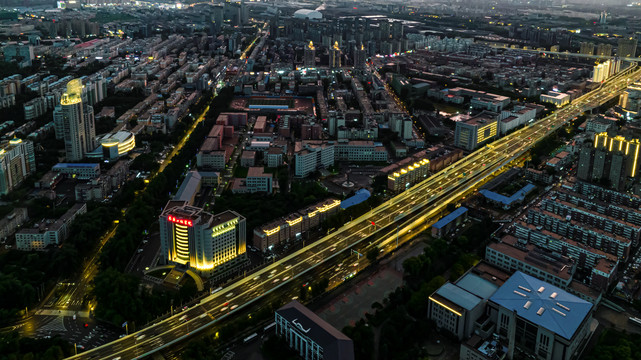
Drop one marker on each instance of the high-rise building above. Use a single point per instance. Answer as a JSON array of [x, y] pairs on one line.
[[627, 47], [360, 57], [205, 242], [309, 56], [604, 50], [17, 161], [22, 54], [74, 122], [217, 17], [335, 56], [630, 100], [611, 158], [587, 48], [397, 30], [385, 30]]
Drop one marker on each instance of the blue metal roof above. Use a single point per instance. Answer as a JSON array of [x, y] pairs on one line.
[[450, 217], [76, 165], [555, 316], [477, 285], [517, 196], [360, 196], [458, 296]]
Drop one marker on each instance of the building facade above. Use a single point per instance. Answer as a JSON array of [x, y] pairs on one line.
[[310, 336], [74, 123], [17, 162], [203, 241]]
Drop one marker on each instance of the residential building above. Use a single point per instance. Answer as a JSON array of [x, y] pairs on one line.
[[78, 171], [309, 56], [310, 156], [259, 181], [17, 162], [310, 336], [611, 157], [449, 222], [627, 47], [48, 232], [12, 221], [293, 226], [407, 172]]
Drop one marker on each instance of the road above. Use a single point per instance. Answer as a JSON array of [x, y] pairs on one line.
[[412, 210]]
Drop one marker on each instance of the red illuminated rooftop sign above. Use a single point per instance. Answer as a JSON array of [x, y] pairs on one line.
[[176, 220]]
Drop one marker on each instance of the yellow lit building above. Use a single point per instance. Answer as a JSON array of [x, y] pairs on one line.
[[615, 158], [74, 123], [205, 242], [407, 174], [477, 130], [294, 225]]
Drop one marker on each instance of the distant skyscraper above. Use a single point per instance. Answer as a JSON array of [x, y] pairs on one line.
[[217, 17], [74, 122], [385, 30], [360, 57], [335, 56], [604, 50], [309, 56], [17, 161], [397, 30], [587, 48], [204, 241], [627, 48]]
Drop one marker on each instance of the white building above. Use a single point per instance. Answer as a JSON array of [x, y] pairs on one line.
[[48, 232], [556, 98]]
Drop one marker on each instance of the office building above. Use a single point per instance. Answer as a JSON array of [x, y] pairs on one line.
[[203, 241], [310, 156], [310, 336], [477, 130], [540, 319], [630, 100], [556, 98], [627, 48], [17, 162], [78, 171], [457, 307], [614, 158], [48, 232], [74, 122], [309, 56]]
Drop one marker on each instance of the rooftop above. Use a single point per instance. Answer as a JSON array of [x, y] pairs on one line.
[[458, 296], [543, 304], [450, 217], [517, 196]]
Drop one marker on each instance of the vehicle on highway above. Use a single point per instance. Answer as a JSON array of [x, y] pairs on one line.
[[216, 290], [250, 337]]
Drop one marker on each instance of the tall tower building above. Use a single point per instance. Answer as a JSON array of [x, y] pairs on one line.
[[604, 50], [74, 122], [397, 30], [627, 48], [17, 161], [385, 30], [587, 48], [217, 17], [360, 57], [205, 242], [309, 56], [335, 56], [611, 158]]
